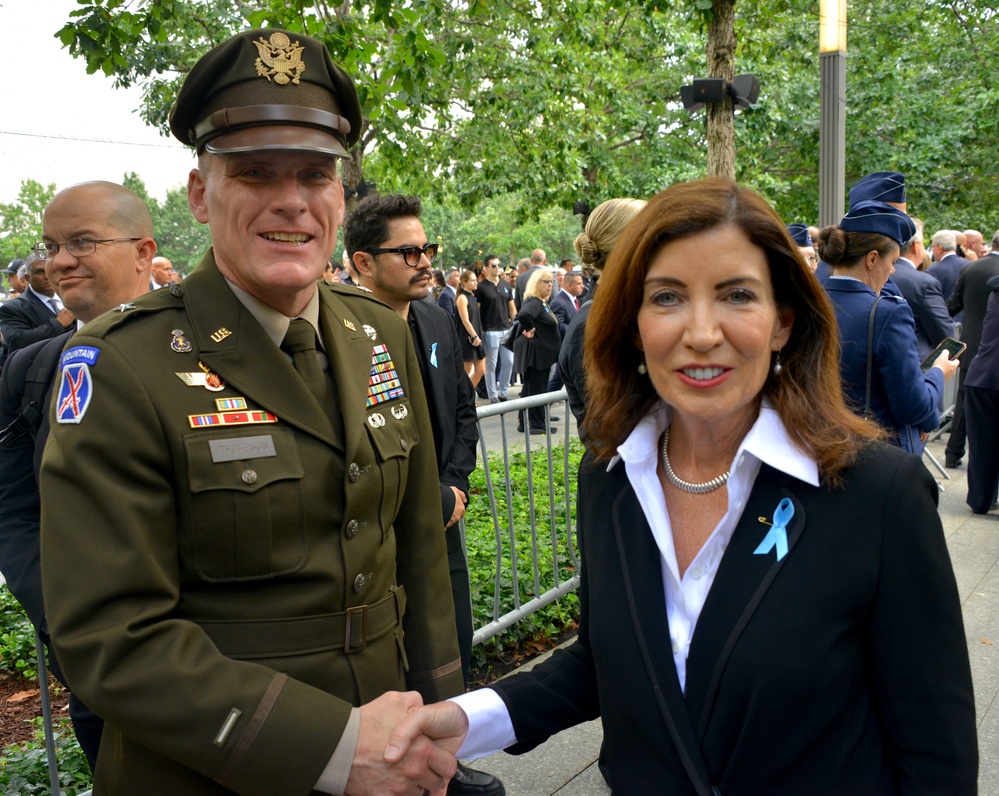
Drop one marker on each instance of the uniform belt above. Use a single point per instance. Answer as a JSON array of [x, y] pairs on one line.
[[349, 631]]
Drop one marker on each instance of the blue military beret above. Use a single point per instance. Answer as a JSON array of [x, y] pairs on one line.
[[881, 186], [881, 219], [800, 234]]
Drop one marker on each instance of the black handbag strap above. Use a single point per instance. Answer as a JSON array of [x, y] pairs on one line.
[[870, 357]]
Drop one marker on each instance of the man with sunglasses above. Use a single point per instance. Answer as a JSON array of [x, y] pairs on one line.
[[253, 570], [390, 254]]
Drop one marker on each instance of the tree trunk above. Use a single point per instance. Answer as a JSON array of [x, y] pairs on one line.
[[721, 63], [352, 175]]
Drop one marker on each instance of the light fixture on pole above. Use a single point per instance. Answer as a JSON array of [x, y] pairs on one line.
[[744, 90], [832, 110]]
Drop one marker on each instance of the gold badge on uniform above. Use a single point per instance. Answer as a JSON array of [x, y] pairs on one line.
[[280, 60], [220, 334], [349, 325]]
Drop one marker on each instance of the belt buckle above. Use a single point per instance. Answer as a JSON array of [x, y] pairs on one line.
[[348, 626]]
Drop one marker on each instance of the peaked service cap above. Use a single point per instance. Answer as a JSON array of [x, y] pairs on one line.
[[267, 89], [881, 186], [881, 219]]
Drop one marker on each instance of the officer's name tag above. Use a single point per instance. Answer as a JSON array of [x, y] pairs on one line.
[[230, 450]]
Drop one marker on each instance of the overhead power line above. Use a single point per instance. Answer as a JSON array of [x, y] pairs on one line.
[[86, 140]]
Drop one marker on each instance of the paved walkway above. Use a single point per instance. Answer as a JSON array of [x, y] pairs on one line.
[[566, 764]]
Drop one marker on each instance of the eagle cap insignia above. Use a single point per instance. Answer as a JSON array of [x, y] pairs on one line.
[[280, 59]]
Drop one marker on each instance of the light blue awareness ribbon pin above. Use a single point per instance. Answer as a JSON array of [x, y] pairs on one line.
[[777, 535], [433, 355]]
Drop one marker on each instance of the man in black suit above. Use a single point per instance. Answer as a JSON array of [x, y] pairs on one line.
[[982, 396], [922, 293], [33, 316], [970, 297], [947, 265], [450, 292], [388, 247], [567, 303], [91, 284]]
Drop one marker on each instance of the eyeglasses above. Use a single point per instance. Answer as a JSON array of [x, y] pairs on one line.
[[78, 247], [547, 281], [410, 254]]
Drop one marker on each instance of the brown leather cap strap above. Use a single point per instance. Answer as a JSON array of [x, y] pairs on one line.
[[248, 115]]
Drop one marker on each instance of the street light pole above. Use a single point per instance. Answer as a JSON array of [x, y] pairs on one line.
[[832, 110]]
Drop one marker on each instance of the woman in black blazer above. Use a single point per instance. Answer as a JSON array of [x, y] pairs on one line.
[[536, 349], [768, 605]]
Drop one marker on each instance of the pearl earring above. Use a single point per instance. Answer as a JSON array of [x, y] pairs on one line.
[[777, 366], [641, 368]]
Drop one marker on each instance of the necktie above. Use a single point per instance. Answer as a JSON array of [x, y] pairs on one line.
[[575, 303], [300, 342], [54, 304]]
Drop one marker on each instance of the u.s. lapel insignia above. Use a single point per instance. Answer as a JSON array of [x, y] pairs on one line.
[[399, 411], [280, 59], [375, 420], [383, 383], [180, 343], [370, 331], [220, 334], [349, 325]]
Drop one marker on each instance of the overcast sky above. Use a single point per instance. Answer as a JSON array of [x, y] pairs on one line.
[[60, 125]]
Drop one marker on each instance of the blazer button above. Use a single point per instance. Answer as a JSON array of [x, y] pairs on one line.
[[360, 582], [351, 531], [353, 473], [249, 476]]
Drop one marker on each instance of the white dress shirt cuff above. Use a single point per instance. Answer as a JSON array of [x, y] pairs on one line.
[[335, 775], [489, 727]]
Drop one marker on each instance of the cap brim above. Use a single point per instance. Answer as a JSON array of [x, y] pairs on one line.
[[277, 137]]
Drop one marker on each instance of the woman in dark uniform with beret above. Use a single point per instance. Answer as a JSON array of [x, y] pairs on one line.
[[877, 332]]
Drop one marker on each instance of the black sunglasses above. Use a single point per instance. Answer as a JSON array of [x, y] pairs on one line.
[[410, 254]]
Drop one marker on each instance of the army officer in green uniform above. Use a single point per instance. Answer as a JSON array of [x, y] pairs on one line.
[[241, 535]]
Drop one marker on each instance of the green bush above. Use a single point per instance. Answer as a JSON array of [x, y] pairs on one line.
[[539, 629], [24, 768], [17, 638]]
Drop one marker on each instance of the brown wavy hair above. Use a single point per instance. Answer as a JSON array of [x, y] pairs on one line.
[[808, 395]]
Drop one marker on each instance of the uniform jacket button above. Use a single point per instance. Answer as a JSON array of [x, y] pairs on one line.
[[404, 444], [351, 529], [249, 476], [360, 582], [353, 473]]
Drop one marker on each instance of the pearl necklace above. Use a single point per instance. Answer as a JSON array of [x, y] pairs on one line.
[[687, 486]]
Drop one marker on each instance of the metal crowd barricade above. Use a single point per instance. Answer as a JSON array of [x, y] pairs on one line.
[[495, 432]]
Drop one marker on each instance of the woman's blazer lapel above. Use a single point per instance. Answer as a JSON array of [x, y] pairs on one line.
[[639, 558], [740, 585]]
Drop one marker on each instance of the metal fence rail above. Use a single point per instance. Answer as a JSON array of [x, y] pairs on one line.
[[549, 541]]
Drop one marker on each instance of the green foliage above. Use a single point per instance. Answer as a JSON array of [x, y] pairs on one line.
[[552, 620], [17, 638], [21, 220], [179, 237], [24, 768]]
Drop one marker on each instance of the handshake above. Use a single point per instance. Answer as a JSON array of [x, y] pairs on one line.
[[406, 747]]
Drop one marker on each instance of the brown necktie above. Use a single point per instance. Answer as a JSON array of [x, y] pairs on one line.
[[300, 342]]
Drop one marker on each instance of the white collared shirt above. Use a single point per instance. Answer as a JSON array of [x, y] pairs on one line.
[[490, 728]]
